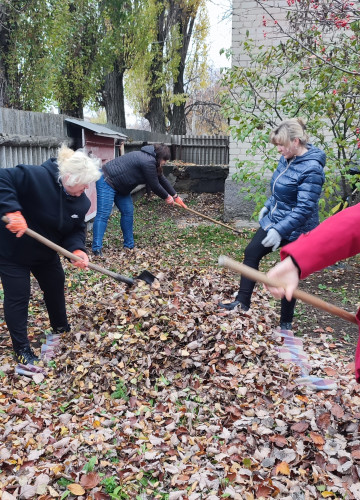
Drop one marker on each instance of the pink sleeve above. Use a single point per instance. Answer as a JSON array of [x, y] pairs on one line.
[[337, 238]]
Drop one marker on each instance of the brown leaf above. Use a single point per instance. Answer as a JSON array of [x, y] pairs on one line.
[[279, 440], [234, 410], [76, 489], [90, 480], [330, 372], [300, 427], [99, 495], [337, 411], [323, 420], [283, 468], [316, 438], [263, 491]]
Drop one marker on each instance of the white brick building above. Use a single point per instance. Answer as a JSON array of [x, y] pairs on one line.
[[247, 16]]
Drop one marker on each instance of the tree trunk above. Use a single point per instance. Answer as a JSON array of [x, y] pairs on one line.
[[113, 96], [156, 115], [178, 120], [185, 20]]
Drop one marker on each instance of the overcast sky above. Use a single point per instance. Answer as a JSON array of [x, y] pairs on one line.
[[220, 31]]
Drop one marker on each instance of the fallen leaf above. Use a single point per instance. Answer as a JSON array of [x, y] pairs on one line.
[[283, 468], [300, 427], [90, 480], [76, 489], [316, 438]]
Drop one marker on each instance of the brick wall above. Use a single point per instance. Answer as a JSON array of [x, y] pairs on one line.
[[247, 16]]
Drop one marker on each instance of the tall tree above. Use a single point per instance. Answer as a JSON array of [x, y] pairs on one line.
[[127, 32], [25, 59], [185, 14], [75, 37], [158, 87]]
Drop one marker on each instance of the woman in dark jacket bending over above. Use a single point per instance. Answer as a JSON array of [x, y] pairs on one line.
[[292, 208], [120, 177]]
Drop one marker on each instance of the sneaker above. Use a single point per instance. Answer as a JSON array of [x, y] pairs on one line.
[[26, 356], [231, 305], [97, 253], [285, 326]]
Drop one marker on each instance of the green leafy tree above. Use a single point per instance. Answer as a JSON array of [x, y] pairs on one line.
[[280, 82], [75, 37], [127, 34], [157, 83], [25, 64]]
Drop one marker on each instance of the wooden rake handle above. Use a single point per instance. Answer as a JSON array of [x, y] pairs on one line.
[[255, 275], [72, 256], [209, 218]]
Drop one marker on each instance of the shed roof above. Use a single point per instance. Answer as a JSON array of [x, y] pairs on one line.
[[97, 129]]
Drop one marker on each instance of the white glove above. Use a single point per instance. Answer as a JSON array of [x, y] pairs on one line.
[[262, 213], [272, 239]]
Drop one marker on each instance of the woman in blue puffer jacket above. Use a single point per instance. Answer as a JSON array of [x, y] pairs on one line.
[[291, 210]]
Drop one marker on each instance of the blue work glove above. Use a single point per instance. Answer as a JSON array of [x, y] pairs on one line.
[[262, 213], [272, 239]]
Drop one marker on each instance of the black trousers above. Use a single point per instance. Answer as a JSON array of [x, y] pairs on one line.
[[16, 284], [254, 252]]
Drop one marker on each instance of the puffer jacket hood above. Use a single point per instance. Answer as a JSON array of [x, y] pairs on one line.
[[150, 150], [130, 170], [293, 207]]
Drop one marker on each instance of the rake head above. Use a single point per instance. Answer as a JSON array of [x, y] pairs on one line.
[[147, 277]]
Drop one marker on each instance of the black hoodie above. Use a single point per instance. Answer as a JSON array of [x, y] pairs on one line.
[[47, 209], [126, 172]]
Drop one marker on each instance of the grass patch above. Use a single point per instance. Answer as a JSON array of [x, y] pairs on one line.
[[155, 226]]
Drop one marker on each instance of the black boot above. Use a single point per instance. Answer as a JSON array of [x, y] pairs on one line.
[[59, 330], [285, 325], [231, 305], [26, 356]]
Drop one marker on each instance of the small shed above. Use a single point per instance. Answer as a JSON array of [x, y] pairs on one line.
[[98, 140], [101, 141]]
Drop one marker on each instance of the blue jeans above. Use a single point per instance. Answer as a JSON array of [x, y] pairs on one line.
[[106, 197]]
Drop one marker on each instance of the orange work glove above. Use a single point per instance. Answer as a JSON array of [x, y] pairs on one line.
[[179, 201], [17, 223], [170, 200], [85, 259]]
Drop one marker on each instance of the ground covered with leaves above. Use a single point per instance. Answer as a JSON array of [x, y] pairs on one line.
[[158, 394]]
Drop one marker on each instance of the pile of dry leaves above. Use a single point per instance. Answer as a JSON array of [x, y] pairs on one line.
[[158, 394]]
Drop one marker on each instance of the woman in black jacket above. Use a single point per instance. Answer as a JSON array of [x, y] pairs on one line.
[[120, 177], [49, 199]]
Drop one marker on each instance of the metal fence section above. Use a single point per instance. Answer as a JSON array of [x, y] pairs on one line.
[[202, 149]]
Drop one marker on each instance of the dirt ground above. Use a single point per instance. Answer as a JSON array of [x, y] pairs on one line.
[[338, 285]]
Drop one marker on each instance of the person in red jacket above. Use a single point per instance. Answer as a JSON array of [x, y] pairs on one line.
[[337, 238], [49, 199]]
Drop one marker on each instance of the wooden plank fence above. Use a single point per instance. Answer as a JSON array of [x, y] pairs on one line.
[[31, 138]]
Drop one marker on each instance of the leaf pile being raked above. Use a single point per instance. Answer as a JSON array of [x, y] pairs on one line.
[[158, 394]]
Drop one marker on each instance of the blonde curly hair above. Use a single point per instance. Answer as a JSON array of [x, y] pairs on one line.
[[77, 166]]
